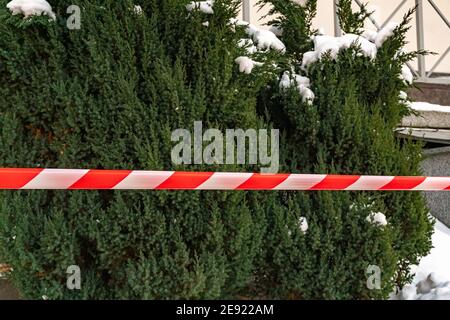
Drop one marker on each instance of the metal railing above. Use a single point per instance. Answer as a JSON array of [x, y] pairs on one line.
[[420, 71], [246, 9], [420, 39]]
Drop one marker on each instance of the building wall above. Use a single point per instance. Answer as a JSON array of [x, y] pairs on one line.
[[437, 33], [437, 163]]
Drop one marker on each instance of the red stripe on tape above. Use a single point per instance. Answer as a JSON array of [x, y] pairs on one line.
[[259, 181], [11, 178], [185, 180], [335, 182], [403, 183], [100, 179]]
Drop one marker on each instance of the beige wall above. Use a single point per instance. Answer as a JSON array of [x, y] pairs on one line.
[[437, 34]]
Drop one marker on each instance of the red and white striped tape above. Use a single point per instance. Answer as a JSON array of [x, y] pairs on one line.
[[76, 179]]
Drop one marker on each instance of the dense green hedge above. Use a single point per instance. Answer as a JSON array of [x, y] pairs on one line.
[[110, 94]]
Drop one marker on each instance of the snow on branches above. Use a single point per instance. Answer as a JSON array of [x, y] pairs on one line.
[[31, 8]]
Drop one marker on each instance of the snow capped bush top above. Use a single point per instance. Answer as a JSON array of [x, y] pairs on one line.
[[369, 42], [370, 35], [385, 33], [31, 8], [332, 45], [203, 6], [264, 39], [238, 22], [367, 47]]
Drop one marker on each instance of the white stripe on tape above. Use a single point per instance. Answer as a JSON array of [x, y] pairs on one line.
[[300, 181], [370, 183], [143, 180], [225, 181], [55, 179], [433, 183]]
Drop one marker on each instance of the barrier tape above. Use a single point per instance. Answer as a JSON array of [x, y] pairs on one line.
[[81, 179]]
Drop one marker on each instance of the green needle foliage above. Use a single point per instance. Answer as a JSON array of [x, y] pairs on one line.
[[348, 129], [109, 96], [350, 21]]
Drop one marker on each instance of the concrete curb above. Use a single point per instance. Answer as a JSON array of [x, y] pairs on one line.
[[428, 119]]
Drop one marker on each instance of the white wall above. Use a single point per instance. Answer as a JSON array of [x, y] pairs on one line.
[[437, 34]]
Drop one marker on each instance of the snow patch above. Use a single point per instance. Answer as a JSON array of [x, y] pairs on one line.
[[370, 35], [203, 6], [138, 9], [403, 95], [377, 218], [406, 74], [248, 45], [264, 39], [367, 47], [432, 275], [238, 22], [438, 260], [303, 224], [31, 8], [332, 46], [385, 33], [425, 106], [321, 31], [289, 79], [309, 58], [246, 64]]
